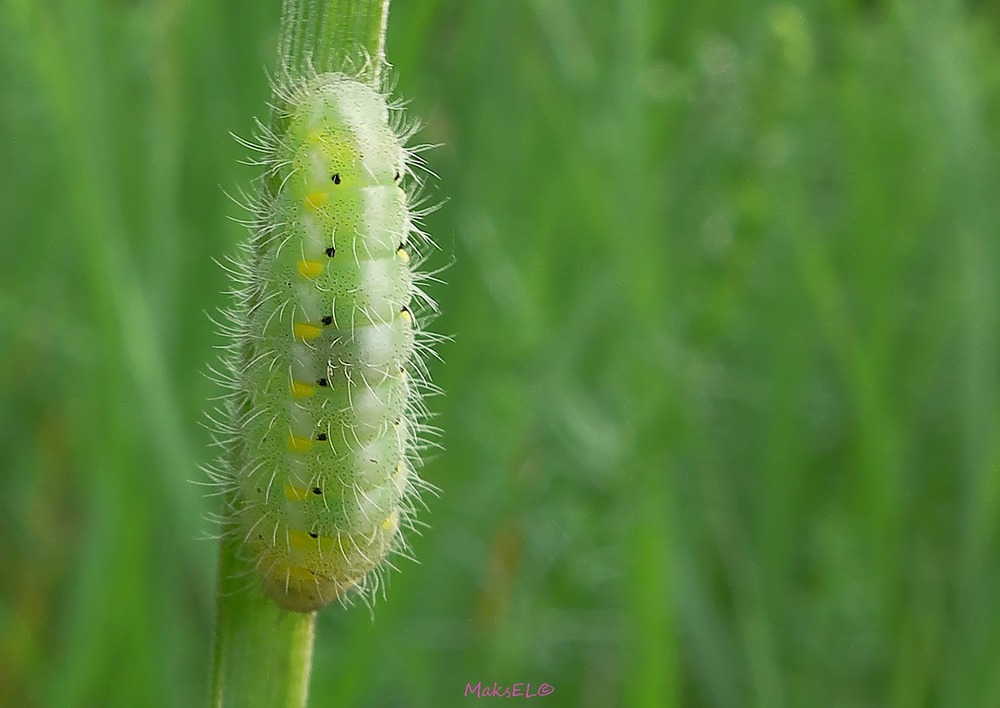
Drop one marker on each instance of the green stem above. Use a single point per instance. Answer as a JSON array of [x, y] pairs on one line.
[[263, 655], [327, 35]]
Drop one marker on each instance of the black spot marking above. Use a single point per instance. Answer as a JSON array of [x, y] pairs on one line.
[[331, 251], [317, 490], [321, 437], [336, 178], [397, 177], [313, 534], [328, 320], [373, 460], [323, 382]]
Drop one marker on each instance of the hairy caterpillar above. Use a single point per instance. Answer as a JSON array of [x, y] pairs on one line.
[[319, 427]]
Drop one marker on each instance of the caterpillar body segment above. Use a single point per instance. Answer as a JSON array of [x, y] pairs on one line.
[[319, 462]]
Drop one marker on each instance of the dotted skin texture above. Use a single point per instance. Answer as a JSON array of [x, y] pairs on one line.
[[325, 338]]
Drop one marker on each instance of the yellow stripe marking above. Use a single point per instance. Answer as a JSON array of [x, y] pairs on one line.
[[280, 570], [299, 573], [306, 331], [391, 521], [300, 540], [293, 493], [310, 269], [403, 255], [316, 199], [400, 478], [406, 316], [297, 444], [302, 390]]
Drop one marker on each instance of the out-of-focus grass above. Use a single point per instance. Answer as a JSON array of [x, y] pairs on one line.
[[722, 401]]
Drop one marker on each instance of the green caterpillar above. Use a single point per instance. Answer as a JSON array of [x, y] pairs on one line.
[[324, 409]]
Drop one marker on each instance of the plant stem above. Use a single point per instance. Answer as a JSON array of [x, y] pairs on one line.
[[326, 35], [263, 655]]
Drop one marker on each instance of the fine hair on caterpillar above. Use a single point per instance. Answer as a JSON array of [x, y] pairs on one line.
[[323, 420]]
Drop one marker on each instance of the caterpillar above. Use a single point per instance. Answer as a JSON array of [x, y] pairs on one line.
[[320, 425]]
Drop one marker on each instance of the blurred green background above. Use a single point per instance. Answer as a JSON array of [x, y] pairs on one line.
[[723, 407]]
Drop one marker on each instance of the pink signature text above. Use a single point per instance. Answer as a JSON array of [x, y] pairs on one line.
[[514, 690]]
